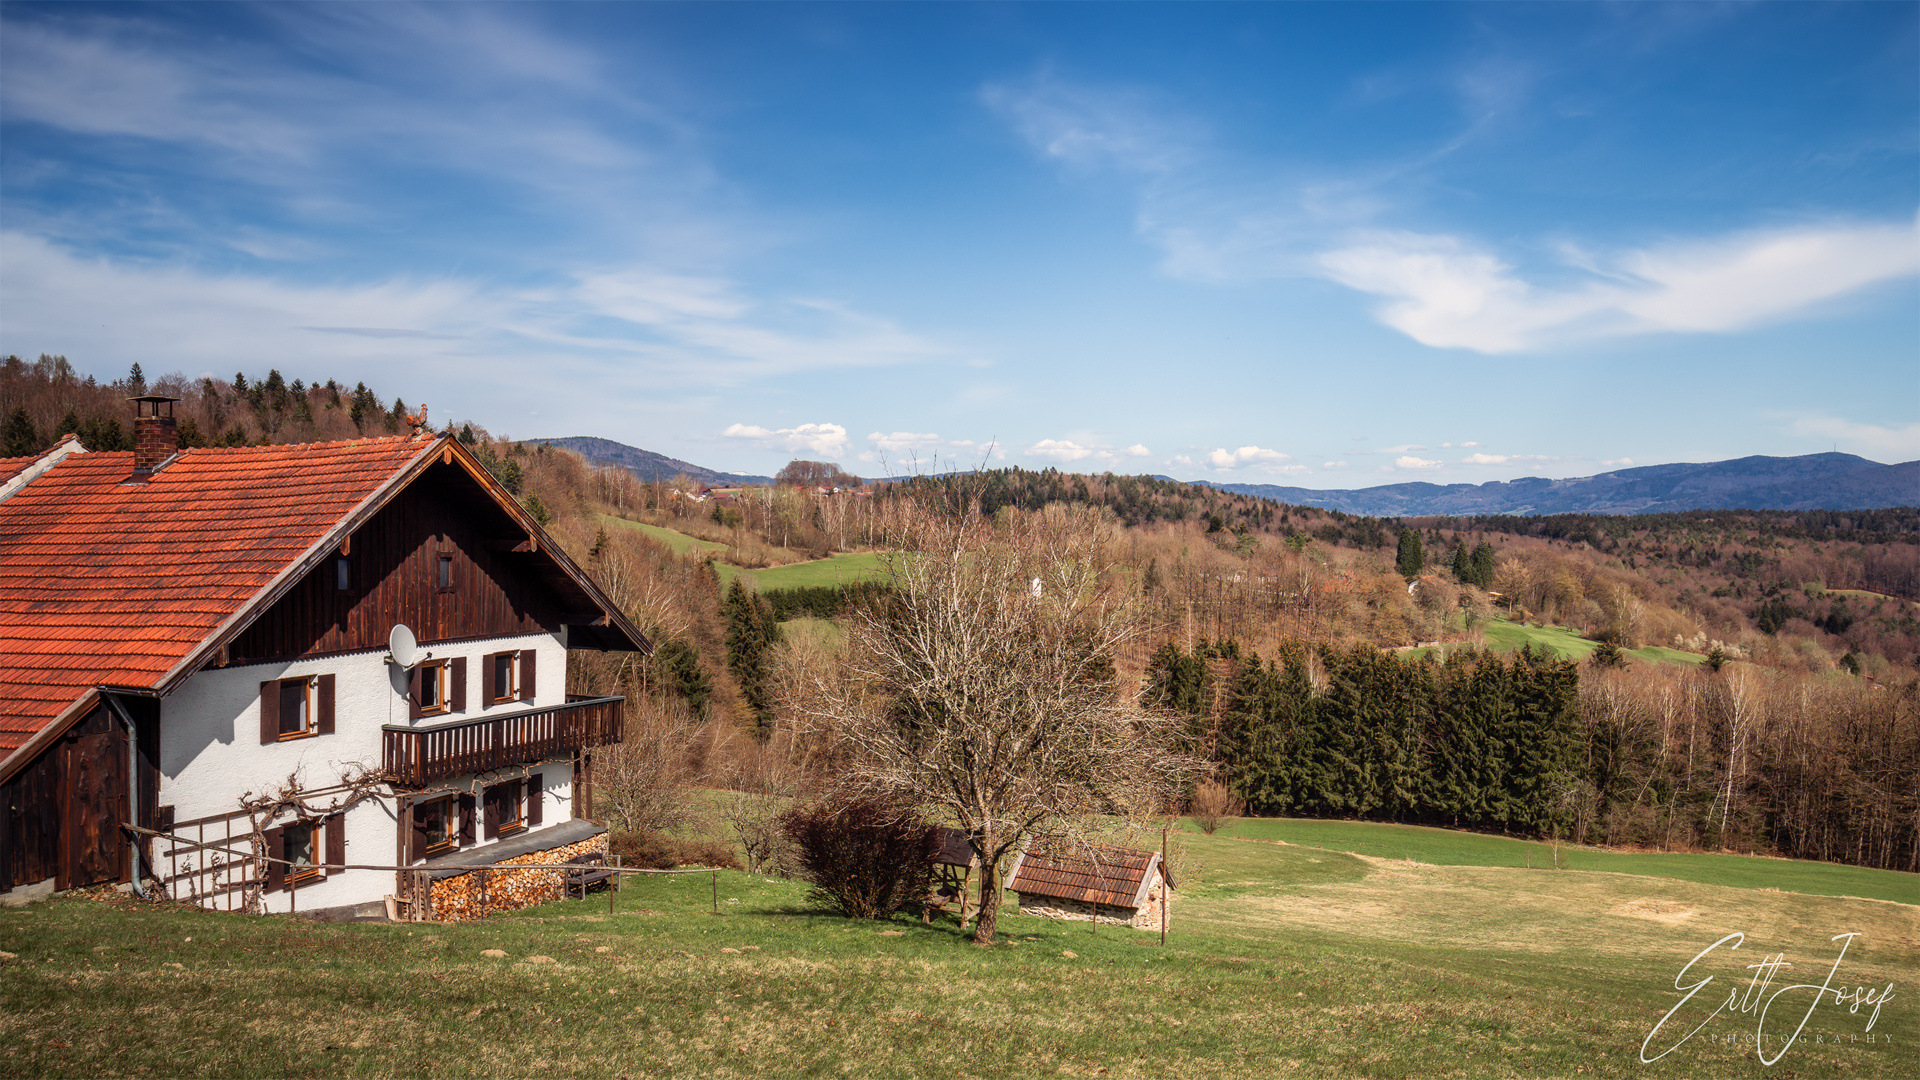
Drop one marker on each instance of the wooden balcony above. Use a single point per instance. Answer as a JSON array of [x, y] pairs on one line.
[[420, 755]]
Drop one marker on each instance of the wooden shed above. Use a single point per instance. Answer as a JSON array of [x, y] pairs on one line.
[[1094, 884]]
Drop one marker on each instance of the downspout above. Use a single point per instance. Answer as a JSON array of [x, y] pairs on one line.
[[133, 786]]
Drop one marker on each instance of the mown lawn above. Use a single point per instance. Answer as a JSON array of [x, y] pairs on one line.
[[1283, 961], [677, 542]]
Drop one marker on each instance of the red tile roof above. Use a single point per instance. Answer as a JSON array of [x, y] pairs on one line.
[[107, 583], [1110, 876], [11, 467]]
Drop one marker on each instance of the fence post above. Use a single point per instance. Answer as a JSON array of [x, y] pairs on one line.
[[716, 892]]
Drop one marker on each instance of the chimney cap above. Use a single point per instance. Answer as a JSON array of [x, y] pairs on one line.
[[150, 405]]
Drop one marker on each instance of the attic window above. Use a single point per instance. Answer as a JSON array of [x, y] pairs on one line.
[[343, 574], [444, 573]]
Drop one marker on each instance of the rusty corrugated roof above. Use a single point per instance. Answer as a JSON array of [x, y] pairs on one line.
[[1112, 876]]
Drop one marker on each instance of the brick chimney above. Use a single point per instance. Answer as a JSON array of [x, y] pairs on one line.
[[153, 434]]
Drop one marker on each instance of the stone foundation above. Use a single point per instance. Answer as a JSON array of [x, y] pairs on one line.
[[1054, 907]]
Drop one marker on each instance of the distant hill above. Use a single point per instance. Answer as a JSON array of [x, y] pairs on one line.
[[646, 464], [1811, 482]]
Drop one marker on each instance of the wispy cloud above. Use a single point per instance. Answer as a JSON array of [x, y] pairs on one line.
[[1254, 458], [1445, 292], [1891, 444]]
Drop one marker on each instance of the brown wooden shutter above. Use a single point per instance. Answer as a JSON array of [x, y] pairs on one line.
[[323, 704], [536, 792], [466, 819], [419, 849], [527, 657], [270, 711], [336, 840], [487, 696], [276, 871], [490, 810], [457, 693], [413, 692]]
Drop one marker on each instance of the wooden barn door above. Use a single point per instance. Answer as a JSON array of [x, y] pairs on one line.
[[95, 804]]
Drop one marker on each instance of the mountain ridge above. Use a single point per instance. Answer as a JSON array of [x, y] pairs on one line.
[[1824, 481]]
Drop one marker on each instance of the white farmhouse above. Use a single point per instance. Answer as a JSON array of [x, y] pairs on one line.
[[195, 642]]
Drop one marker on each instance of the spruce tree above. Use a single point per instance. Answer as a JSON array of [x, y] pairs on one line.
[[1412, 558], [19, 439], [1483, 565], [1462, 563], [751, 633]]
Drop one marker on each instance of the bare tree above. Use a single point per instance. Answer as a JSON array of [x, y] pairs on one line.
[[983, 687]]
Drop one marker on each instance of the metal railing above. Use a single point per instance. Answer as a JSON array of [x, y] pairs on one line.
[[420, 755]]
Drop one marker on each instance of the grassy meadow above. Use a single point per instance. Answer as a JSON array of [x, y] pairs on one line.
[[1505, 636], [1295, 951]]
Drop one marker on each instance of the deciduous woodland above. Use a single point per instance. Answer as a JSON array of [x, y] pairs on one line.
[[1741, 680]]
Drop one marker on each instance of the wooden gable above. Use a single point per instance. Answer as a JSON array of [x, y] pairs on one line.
[[441, 556]]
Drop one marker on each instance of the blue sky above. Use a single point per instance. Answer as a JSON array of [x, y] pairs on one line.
[[1325, 246]]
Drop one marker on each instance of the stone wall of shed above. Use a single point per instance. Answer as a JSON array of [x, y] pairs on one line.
[[1054, 907]]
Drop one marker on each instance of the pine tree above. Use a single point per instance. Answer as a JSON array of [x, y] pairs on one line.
[[1412, 558], [1462, 563], [1483, 565], [751, 633], [19, 439], [136, 381]]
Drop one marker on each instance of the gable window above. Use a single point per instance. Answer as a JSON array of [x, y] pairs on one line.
[[438, 687], [443, 572], [343, 574], [296, 708]]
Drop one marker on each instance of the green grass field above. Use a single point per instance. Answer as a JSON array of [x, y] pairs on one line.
[[678, 542], [1504, 636], [1448, 847], [1283, 961]]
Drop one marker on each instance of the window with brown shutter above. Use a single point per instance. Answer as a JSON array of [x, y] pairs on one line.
[[457, 684], [301, 845], [527, 657], [504, 811], [323, 706], [466, 819], [336, 840], [276, 866], [270, 711], [535, 795], [499, 676], [428, 696]]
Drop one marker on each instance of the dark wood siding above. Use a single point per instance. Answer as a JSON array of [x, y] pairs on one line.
[[396, 568], [60, 816]]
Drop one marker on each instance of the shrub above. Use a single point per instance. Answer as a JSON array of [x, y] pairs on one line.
[[866, 856], [1214, 804]]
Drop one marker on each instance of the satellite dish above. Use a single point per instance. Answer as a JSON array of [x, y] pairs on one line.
[[401, 645]]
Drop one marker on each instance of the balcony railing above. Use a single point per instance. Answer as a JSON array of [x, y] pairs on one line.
[[419, 755]]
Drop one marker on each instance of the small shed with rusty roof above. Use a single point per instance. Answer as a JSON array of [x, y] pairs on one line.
[[1094, 883]]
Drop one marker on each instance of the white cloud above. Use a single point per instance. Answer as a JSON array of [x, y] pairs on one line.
[[1223, 459], [1399, 449], [1409, 462], [1442, 291], [1469, 445], [827, 440], [902, 440], [1333, 464], [1486, 459], [1893, 444], [1137, 450], [1618, 463], [1060, 450]]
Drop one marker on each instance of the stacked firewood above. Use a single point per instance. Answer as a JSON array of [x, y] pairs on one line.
[[479, 893]]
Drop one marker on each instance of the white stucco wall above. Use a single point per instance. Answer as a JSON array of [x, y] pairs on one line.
[[211, 753]]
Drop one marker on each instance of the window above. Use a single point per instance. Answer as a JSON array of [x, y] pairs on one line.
[[301, 847], [503, 809], [436, 825], [502, 680], [343, 574], [438, 686], [430, 686], [443, 574], [296, 708], [295, 711], [507, 676]]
